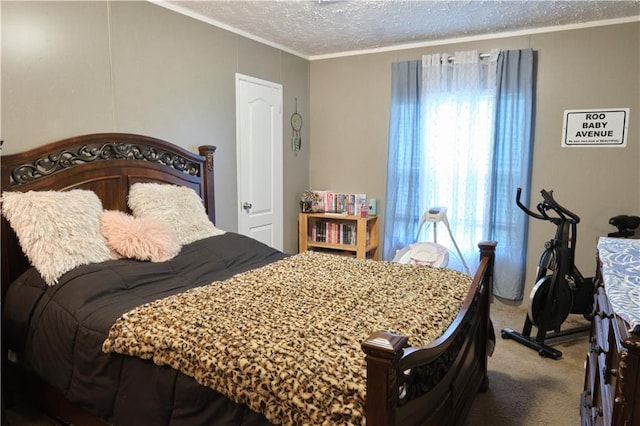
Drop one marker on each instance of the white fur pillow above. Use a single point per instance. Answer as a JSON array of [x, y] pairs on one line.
[[143, 239], [179, 206], [58, 230]]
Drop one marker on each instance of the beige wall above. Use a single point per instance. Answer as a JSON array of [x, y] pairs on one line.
[[70, 68], [598, 67]]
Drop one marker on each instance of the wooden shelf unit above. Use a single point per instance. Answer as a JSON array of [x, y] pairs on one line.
[[361, 249]]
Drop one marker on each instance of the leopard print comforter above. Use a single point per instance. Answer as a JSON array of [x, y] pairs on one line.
[[285, 338]]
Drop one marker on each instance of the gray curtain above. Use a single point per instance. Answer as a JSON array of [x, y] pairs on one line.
[[405, 157], [512, 169]]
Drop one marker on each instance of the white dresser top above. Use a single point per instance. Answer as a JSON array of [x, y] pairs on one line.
[[620, 260]]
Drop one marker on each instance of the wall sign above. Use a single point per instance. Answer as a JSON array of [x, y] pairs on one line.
[[598, 127]]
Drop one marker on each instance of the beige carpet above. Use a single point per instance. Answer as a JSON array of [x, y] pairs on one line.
[[526, 389]]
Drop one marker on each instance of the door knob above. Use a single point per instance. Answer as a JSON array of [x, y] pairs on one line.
[[246, 206]]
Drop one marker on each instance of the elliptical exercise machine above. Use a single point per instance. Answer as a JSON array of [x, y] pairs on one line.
[[560, 288]]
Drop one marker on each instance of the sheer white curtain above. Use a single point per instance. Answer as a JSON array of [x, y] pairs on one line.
[[459, 107]]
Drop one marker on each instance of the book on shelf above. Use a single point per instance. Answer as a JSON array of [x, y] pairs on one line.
[[333, 233], [340, 202]]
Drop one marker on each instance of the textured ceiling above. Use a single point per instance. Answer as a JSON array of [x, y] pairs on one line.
[[332, 27]]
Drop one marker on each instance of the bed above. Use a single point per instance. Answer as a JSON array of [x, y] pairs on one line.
[[83, 326]]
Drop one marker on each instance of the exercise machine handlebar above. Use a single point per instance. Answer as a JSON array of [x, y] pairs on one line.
[[548, 203], [548, 196]]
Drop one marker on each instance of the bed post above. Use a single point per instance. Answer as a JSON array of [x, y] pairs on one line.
[[487, 251], [207, 152], [383, 351]]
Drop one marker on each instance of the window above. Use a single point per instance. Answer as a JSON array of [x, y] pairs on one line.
[[460, 136]]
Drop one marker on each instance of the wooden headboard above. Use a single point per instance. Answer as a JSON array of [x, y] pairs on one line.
[[106, 163]]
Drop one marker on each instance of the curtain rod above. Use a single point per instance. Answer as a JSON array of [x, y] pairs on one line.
[[482, 56]]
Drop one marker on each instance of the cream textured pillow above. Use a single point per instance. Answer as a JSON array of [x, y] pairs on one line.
[[136, 238], [58, 230], [179, 206]]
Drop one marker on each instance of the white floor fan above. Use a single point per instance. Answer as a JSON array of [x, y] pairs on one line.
[[430, 253]]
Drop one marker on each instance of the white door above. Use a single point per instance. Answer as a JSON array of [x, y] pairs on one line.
[[259, 142]]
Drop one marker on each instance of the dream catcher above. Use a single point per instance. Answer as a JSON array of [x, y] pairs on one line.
[[296, 125]]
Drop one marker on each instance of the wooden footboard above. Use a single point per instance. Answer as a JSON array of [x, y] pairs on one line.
[[436, 384]]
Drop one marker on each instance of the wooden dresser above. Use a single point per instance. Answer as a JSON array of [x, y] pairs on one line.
[[611, 393]]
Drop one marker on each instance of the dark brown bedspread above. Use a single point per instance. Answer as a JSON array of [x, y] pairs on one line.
[[57, 333]]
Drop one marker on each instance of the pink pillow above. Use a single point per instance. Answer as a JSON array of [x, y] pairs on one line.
[[142, 239]]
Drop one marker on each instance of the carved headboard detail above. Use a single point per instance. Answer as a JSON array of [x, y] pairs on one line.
[[87, 153]]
